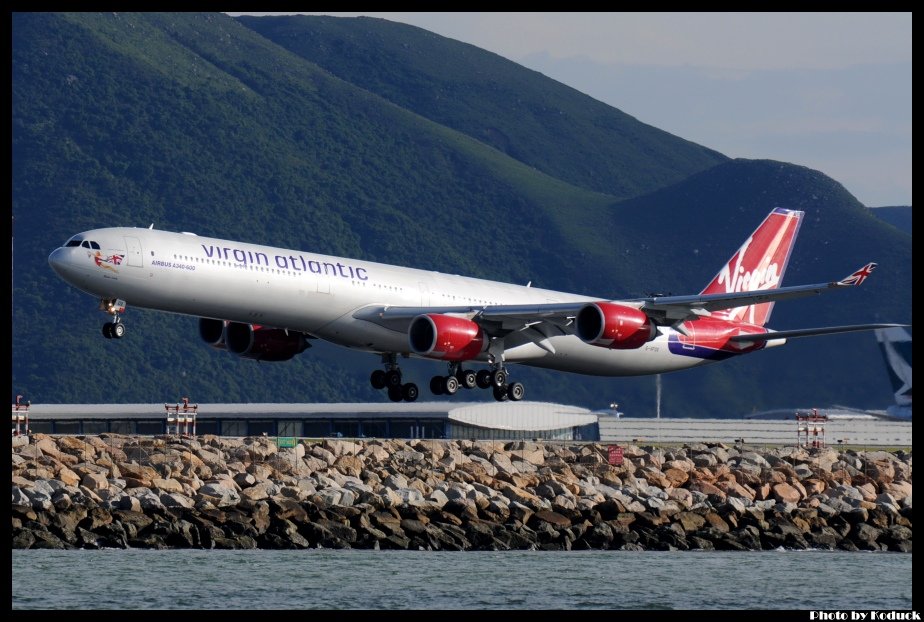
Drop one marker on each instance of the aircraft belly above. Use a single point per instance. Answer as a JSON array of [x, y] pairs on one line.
[[353, 333], [573, 355]]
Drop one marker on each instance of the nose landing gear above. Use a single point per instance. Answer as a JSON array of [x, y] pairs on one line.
[[114, 329]]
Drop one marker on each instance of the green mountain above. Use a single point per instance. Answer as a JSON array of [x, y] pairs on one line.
[[515, 110], [196, 122]]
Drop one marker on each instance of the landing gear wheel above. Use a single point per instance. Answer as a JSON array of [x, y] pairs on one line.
[[118, 330], [393, 378], [500, 394], [377, 379], [451, 385], [409, 392], [107, 330], [516, 391], [483, 379], [394, 394], [467, 379], [437, 385], [499, 377]]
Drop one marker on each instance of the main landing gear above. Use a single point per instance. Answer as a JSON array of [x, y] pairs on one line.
[[457, 378], [495, 379], [114, 329], [390, 378]]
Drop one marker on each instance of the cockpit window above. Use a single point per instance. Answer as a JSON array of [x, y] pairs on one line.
[[94, 245], [85, 244], [73, 242]]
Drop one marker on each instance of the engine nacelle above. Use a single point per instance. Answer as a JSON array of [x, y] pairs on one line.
[[212, 332], [263, 344], [446, 337], [610, 325]]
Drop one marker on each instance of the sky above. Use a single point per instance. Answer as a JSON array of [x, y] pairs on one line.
[[831, 91]]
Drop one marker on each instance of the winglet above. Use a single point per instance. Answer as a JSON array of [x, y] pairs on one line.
[[858, 277]]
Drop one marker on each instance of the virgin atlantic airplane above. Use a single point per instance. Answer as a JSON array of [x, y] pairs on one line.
[[265, 303]]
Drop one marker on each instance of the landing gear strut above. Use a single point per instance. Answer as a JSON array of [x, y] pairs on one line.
[[390, 378], [497, 377], [114, 329]]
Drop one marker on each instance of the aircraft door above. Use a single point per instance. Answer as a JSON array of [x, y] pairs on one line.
[[133, 252], [323, 284], [424, 294]]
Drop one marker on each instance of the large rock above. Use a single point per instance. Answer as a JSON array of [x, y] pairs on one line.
[[350, 464], [435, 449], [520, 496], [705, 460], [785, 493], [167, 485], [220, 495], [709, 490], [323, 454], [676, 477], [76, 447], [865, 537], [176, 500], [690, 521], [553, 518], [342, 448], [95, 481]]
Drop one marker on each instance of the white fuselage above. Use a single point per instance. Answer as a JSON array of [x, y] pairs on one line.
[[319, 295]]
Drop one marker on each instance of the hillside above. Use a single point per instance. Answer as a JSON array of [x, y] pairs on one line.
[[515, 110], [197, 123], [899, 216]]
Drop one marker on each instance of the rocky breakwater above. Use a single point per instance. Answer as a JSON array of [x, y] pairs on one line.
[[218, 492]]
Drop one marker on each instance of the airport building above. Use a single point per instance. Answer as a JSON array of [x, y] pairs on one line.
[[470, 420], [448, 420]]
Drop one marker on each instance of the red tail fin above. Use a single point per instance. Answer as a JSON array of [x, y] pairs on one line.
[[758, 264]]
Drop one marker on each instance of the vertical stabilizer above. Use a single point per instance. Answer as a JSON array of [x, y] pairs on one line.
[[758, 264], [896, 349]]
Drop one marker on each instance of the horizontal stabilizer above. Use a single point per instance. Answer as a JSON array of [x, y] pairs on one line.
[[809, 332], [675, 309]]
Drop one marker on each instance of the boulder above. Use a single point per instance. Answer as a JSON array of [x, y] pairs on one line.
[[785, 493]]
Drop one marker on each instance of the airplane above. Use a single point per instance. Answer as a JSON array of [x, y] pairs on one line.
[[896, 350], [266, 303]]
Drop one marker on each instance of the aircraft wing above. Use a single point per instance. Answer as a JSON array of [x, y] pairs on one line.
[[496, 319], [559, 316]]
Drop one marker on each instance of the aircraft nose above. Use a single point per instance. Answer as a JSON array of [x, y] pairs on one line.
[[57, 261]]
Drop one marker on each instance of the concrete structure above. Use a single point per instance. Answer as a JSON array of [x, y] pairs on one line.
[[862, 432], [477, 420], [474, 420]]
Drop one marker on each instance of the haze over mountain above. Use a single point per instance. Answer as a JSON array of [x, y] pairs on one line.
[[380, 141], [898, 216]]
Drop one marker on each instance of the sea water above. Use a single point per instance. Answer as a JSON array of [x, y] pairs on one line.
[[363, 579]]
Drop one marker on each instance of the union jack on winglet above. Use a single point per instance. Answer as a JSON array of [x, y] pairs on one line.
[[859, 276]]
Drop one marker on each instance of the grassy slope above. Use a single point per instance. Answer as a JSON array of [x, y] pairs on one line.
[[518, 111]]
